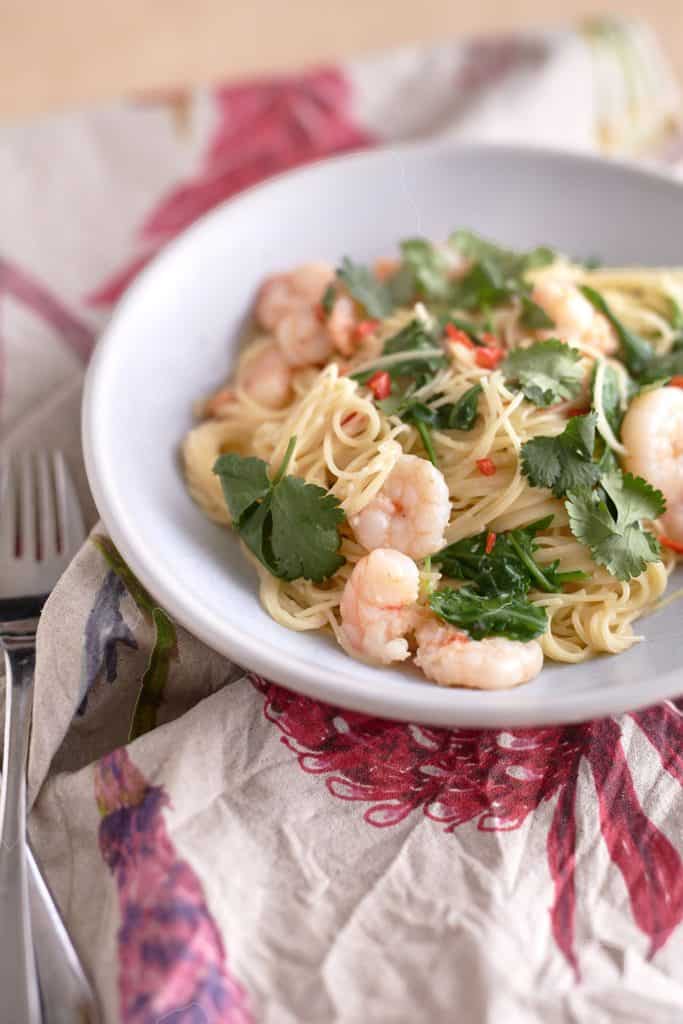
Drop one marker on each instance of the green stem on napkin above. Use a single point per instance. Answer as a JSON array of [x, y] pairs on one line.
[[164, 650]]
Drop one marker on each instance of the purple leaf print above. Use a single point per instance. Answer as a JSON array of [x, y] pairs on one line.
[[104, 630], [172, 963]]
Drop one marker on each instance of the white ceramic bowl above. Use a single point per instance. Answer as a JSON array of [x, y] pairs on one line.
[[174, 338]]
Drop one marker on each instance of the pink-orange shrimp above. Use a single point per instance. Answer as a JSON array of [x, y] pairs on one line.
[[410, 513], [449, 657], [576, 320], [379, 606]]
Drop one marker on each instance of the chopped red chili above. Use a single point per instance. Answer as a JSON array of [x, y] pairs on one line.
[[488, 358], [677, 381], [380, 384], [486, 467], [490, 542], [363, 328], [673, 545], [582, 411], [461, 337]]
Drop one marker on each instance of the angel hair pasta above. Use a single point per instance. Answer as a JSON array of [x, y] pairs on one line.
[[466, 457]]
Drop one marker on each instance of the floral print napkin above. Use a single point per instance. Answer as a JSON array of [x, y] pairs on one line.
[[225, 850]]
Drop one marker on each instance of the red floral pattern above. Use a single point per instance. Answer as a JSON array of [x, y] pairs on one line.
[[264, 127], [497, 779]]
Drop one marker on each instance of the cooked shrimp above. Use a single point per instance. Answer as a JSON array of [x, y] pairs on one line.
[[303, 340], [379, 606], [264, 375], [341, 325], [287, 305], [282, 294], [652, 433], [410, 513], [576, 320], [449, 657]]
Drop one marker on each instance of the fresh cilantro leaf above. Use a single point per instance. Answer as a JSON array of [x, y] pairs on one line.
[[534, 317], [401, 286], [496, 274], [609, 398], [508, 263], [480, 615], [509, 567], [636, 352], [547, 372], [482, 286], [564, 462], [415, 337], [365, 288], [256, 528], [429, 269], [471, 329], [305, 537], [244, 480], [607, 521], [632, 497], [327, 301], [291, 526], [461, 414], [664, 367]]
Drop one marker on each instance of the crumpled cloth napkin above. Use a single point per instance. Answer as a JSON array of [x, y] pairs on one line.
[[259, 856]]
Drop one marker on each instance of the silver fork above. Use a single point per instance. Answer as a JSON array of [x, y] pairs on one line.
[[41, 528]]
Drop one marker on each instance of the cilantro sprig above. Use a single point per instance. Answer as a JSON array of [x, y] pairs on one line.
[[291, 526], [564, 462], [608, 521], [428, 268], [424, 356], [371, 293], [508, 566], [496, 275], [499, 576], [605, 506], [546, 372], [458, 415], [482, 615]]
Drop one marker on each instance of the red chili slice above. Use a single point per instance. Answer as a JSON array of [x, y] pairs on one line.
[[677, 381], [461, 337], [490, 542], [488, 358], [363, 328], [673, 545], [380, 384], [486, 467], [583, 411]]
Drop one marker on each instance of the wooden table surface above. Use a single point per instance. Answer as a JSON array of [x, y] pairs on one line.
[[63, 53]]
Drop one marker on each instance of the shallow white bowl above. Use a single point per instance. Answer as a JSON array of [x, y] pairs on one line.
[[174, 337]]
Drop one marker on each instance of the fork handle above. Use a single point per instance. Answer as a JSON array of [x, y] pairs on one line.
[[20, 1001]]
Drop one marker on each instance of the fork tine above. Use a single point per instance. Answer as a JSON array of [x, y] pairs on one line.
[[71, 528], [27, 507], [47, 513], [8, 511]]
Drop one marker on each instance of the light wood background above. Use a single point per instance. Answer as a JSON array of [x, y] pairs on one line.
[[63, 53]]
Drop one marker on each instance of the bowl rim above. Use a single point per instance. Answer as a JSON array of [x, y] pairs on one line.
[[341, 688]]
